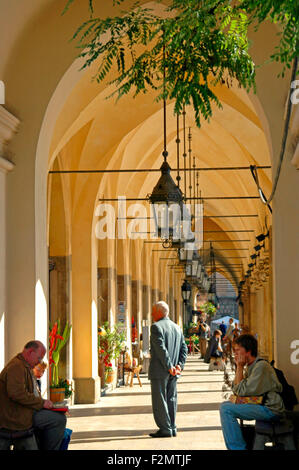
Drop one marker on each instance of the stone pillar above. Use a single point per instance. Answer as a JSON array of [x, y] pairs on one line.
[[146, 303], [137, 304], [60, 304], [107, 295], [155, 296], [8, 125], [84, 316], [124, 295]]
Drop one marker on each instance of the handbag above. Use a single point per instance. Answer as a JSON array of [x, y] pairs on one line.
[[252, 400]]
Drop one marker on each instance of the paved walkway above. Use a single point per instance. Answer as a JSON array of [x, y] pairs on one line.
[[123, 419]]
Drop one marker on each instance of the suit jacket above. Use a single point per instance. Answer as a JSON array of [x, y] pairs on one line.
[[167, 348]]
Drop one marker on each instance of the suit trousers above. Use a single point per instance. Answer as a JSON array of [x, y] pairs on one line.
[[49, 426], [164, 402]]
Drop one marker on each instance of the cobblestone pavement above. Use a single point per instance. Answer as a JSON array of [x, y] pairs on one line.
[[123, 418]]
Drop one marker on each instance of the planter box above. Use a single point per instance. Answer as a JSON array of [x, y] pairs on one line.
[[57, 394]]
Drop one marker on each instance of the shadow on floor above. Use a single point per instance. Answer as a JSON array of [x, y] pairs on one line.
[[132, 410], [202, 382], [128, 394], [106, 435]]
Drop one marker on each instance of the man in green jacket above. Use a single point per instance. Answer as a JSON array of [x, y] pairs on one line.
[[168, 356], [21, 405], [254, 377]]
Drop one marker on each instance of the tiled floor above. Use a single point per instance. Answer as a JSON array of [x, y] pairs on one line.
[[123, 418]]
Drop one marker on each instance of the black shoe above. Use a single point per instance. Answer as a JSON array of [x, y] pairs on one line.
[[173, 433], [160, 434]]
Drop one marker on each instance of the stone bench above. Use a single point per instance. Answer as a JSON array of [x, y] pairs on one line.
[[280, 434]]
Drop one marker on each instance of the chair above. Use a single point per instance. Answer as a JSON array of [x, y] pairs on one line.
[[132, 367], [18, 440], [279, 433], [131, 373]]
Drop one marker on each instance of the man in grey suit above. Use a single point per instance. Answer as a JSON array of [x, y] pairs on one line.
[[168, 357]]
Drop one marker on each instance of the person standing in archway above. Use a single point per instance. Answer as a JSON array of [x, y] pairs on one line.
[[168, 356], [228, 338], [203, 335]]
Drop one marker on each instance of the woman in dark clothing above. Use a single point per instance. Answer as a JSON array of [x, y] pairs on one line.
[[216, 349]]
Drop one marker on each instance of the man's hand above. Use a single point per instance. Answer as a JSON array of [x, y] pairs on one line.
[[48, 404], [172, 371], [178, 370], [240, 359]]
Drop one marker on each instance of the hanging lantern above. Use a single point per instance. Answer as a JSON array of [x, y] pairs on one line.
[[186, 291]]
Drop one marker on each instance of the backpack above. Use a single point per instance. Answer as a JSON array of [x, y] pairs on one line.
[[288, 394]]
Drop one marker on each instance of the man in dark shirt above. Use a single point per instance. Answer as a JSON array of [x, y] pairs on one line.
[[222, 328]]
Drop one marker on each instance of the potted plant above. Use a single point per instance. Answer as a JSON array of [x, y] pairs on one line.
[[58, 389], [111, 342], [208, 308], [193, 328]]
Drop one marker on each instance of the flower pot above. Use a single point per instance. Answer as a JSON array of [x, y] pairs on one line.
[[110, 377], [57, 394]]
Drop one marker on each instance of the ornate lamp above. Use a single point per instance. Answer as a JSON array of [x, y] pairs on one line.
[[166, 200], [186, 291]]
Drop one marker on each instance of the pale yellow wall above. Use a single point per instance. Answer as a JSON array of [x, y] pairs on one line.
[[248, 130]]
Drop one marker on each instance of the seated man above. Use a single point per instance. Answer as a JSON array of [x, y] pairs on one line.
[[21, 404], [258, 380]]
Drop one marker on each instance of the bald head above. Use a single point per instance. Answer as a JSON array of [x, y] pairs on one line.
[[160, 310], [34, 352]]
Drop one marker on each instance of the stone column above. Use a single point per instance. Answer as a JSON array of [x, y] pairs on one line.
[[8, 125], [286, 260], [84, 316], [137, 304], [124, 282], [107, 294], [146, 302], [60, 304]]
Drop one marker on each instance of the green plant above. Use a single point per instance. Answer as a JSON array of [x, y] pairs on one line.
[[208, 308], [184, 55], [111, 341], [56, 342], [63, 383], [181, 57]]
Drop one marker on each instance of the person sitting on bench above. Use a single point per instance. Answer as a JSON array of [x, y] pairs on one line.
[[258, 383], [22, 406]]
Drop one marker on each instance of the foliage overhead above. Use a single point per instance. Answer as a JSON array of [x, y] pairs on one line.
[[184, 55]]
